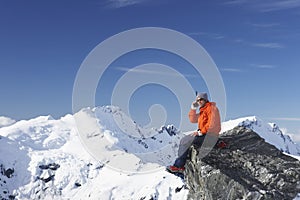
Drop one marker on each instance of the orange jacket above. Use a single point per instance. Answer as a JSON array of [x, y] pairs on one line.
[[208, 119]]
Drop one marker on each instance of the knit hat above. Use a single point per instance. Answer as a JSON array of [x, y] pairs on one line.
[[202, 96]]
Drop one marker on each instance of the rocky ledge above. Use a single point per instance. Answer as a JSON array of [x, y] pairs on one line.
[[247, 168]]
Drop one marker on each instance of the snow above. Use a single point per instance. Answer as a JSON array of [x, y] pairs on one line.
[[146, 149], [268, 131], [28, 146], [6, 121], [50, 159], [297, 197]]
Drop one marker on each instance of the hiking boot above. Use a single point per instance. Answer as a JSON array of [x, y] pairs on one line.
[[174, 169]]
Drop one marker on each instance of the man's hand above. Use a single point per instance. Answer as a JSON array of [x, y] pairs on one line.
[[197, 133], [194, 105]]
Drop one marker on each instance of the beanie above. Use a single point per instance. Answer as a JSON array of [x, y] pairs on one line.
[[202, 96]]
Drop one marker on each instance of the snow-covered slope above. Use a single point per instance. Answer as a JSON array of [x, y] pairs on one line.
[[44, 158], [269, 131], [113, 138], [6, 121]]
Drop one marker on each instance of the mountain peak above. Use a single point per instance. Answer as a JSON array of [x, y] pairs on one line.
[[269, 131]]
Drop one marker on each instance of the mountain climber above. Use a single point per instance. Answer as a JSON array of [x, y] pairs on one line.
[[209, 124]]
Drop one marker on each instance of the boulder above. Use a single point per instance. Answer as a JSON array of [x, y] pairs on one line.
[[247, 168]]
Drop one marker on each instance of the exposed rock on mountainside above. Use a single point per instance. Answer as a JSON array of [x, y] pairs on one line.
[[248, 168]]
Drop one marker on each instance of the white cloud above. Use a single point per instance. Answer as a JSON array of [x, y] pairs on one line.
[[161, 73], [6, 121], [215, 36], [144, 71], [278, 5], [268, 45], [123, 3], [266, 5], [231, 70], [286, 118], [264, 66], [236, 2], [270, 25]]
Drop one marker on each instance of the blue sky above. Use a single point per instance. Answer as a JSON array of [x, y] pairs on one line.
[[255, 45]]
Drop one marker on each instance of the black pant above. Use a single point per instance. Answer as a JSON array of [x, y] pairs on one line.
[[184, 146]]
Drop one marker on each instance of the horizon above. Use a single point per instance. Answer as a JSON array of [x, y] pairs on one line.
[[6, 121], [254, 45]]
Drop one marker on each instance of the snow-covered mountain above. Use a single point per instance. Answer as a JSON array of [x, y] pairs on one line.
[[269, 131], [115, 139], [44, 158]]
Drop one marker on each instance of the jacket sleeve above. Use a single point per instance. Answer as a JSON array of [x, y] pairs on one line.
[[193, 116]]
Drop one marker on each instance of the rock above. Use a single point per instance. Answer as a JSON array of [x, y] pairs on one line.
[[5, 175], [77, 184], [52, 166], [46, 180], [248, 168], [7, 172]]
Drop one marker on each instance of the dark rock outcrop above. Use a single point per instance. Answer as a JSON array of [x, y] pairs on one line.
[[248, 168], [7, 172], [5, 175]]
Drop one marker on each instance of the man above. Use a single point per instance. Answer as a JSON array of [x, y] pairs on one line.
[[209, 123]]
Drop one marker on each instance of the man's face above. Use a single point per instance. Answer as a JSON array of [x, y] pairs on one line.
[[201, 102]]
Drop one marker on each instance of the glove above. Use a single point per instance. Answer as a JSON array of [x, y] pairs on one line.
[[197, 133], [194, 105]]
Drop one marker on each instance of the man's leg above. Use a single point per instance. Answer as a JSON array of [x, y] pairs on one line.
[[184, 146], [185, 143], [204, 147], [198, 141]]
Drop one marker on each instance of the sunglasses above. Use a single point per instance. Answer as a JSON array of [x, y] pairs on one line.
[[200, 99]]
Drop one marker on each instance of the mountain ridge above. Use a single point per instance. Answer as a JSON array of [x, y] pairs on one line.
[[44, 142]]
